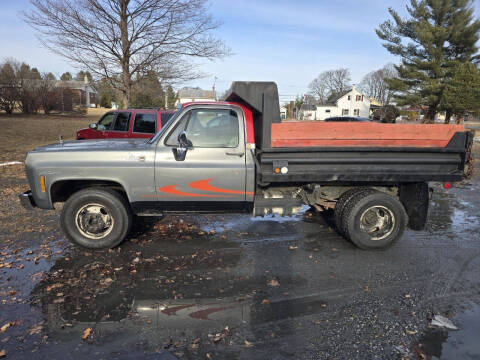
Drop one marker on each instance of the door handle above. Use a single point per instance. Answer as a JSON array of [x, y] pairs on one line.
[[234, 153]]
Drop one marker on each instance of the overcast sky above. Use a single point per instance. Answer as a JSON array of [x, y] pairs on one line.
[[289, 42]]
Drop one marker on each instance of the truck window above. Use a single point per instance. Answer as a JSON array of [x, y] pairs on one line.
[[105, 123], [172, 139], [213, 128], [122, 122], [145, 123]]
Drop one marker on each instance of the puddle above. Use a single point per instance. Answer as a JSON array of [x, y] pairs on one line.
[[461, 344], [449, 212]]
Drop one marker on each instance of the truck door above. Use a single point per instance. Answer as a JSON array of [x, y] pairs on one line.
[[211, 176]]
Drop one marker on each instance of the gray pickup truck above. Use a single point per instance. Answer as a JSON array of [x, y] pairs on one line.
[[237, 156]]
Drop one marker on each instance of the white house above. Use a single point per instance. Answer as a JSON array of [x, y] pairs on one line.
[[349, 103]]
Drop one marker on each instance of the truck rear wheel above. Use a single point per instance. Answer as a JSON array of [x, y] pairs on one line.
[[340, 206], [96, 218], [374, 220]]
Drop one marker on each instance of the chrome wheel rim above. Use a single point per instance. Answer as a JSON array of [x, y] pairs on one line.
[[94, 221], [378, 222]]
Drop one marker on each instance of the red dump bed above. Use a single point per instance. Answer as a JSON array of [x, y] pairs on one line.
[[330, 134]]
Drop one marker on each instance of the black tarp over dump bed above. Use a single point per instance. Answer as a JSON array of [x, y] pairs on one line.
[[262, 98]]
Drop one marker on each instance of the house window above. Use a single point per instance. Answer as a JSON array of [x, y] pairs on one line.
[[345, 112], [327, 111], [356, 112], [349, 97]]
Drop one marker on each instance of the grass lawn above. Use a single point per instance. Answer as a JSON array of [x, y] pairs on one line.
[[21, 133]]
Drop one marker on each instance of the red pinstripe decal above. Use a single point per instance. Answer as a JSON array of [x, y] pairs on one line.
[[204, 185]]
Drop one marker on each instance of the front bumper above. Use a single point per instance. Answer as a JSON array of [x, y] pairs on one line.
[[27, 201]]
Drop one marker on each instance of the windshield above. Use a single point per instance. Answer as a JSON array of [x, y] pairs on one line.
[[164, 128]]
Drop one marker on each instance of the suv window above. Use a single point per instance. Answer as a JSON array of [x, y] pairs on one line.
[[105, 123], [145, 123], [122, 122], [166, 116]]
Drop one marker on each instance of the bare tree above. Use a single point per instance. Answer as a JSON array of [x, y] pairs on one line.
[[374, 85], [330, 82], [8, 87], [47, 92], [118, 39], [319, 89]]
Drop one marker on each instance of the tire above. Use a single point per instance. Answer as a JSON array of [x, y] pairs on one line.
[[374, 220], [358, 193], [340, 206], [96, 218]]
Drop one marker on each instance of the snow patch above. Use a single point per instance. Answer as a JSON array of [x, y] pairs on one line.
[[11, 163]]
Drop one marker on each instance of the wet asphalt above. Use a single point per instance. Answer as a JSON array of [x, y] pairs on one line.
[[233, 287]]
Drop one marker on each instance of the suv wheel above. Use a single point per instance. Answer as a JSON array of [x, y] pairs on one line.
[[96, 218]]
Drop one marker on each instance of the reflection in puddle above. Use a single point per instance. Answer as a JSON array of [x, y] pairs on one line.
[[462, 344]]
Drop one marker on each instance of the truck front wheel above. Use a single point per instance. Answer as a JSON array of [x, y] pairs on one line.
[[374, 220], [96, 218]]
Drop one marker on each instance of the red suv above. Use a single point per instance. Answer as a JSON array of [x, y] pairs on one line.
[[131, 123]]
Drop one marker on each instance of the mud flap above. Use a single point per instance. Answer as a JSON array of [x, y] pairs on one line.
[[415, 199]]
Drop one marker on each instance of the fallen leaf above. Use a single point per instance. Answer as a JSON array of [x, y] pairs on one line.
[[3, 353], [273, 282], [136, 260], [5, 327], [248, 343], [408, 296], [411, 332], [266, 301], [292, 247], [54, 286], [35, 329], [86, 333]]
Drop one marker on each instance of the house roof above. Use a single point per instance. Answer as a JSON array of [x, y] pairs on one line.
[[195, 93], [74, 84], [332, 100]]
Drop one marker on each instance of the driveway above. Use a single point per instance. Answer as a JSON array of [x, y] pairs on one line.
[[232, 287]]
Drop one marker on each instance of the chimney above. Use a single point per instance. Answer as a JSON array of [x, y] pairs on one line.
[[85, 79]]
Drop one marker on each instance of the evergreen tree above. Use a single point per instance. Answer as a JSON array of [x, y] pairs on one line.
[[66, 76], [462, 93], [437, 36], [171, 98], [81, 76], [148, 92]]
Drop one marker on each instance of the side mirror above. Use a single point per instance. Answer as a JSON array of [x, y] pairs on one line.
[[93, 126], [183, 142]]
